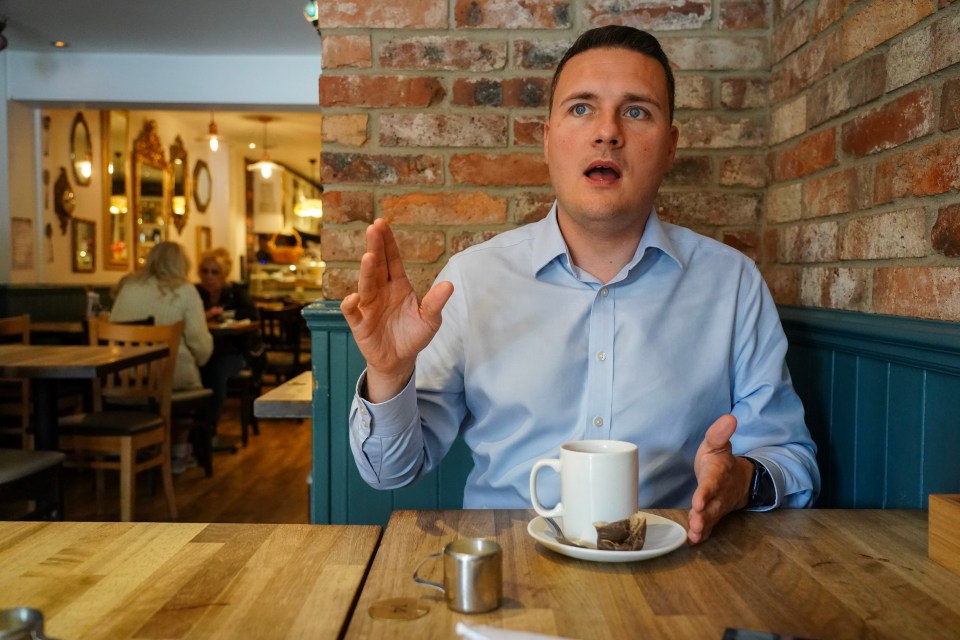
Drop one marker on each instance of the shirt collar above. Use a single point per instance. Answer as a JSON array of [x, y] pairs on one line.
[[548, 244]]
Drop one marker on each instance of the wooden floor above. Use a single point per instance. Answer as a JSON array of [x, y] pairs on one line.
[[264, 482]]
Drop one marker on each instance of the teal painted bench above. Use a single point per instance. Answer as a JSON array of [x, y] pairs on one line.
[[882, 397]]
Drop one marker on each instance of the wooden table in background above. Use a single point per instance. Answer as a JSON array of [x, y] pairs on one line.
[[292, 399], [163, 580], [815, 573], [45, 365]]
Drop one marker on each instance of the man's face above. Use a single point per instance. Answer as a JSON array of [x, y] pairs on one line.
[[609, 141]]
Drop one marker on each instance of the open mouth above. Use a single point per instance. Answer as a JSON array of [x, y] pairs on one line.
[[602, 172]]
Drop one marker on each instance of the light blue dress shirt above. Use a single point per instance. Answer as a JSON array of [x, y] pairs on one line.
[[534, 352]]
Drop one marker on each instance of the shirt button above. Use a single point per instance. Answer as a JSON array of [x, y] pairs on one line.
[[604, 292], [598, 421], [601, 356]]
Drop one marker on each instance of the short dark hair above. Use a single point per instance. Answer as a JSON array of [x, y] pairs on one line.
[[618, 37]]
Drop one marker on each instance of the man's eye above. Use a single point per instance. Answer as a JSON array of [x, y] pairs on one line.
[[580, 109], [636, 112]]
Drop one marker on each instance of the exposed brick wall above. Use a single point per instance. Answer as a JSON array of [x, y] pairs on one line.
[[864, 156], [821, 138]]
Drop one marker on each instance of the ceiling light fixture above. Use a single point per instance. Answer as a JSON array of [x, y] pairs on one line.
[[212, 136], [311, 13], [266, 167], [309, 207]]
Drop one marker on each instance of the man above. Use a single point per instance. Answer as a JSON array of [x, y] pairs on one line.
[[598, 322]]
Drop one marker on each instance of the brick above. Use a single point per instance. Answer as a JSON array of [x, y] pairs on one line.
[[422, 277], [946, 44], [835, 288], [499, 92], [693, 92], [347, 206], [945, 236], [343, 244], [530, 207], [812, 153], [339, 282], [950, 105], [441, 53], [449, 207], [906, 118], [714, 54], [837, 192], [927, 170], [709, 208], [711, 133], [792, 33], [346, 51], [853, 86], [877, 21], [782, 8], [380, 91], [746, 242], [920, 292], [744, 93], [800, 70], [743, 171], [420, 246], [358, 168], [804, 243], [528, 130], [788, 120], [736, 15], [898, 234], [784, 284], [349, 129], [410, 14], [649, 15], [511, 14], [690, 171], [512, 169], [827, 12], [465, 239], [539, 54], [784, 203], [442, 130], [909, 58]]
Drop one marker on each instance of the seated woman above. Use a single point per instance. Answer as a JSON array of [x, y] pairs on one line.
[[222, 298]]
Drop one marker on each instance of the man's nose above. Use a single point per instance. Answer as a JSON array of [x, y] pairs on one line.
[[609, 130]]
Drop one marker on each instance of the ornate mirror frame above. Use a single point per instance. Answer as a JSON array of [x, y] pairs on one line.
[[202, 186], [64, 199], [81, 151], [83, 245], [149, 209], [115, 145], [180, 176]]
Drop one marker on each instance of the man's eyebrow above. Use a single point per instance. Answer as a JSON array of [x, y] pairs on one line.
[[629, 97]]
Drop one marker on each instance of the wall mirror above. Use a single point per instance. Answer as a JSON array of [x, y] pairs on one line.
[[180, 203], [114, 131], [150, 189], [202, 186], [204, 240], [81, 151], [83, 245]]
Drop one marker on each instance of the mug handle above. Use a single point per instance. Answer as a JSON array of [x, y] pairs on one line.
[[557, 510], [427, 583]]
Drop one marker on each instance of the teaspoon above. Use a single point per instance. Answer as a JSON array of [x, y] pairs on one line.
[[558, 532]]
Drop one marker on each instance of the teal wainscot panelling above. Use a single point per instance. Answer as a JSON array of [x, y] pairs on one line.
[[338, 494], [882, 400]]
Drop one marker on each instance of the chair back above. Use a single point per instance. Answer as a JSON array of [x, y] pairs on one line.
[[280, 330], [14, 392], [15, 330], [151, 382]]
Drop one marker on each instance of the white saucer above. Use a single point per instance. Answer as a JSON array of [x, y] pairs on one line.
[[663, 536]]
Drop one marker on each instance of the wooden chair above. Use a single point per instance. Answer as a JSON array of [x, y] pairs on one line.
[[281, 330], [15, 393], [32, 478], [129, 427]]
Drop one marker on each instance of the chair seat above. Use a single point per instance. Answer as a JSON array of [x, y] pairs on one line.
[[190, 395], [16, 463], [110, 423]]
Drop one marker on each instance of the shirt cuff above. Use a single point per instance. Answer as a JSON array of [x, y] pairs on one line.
[[394, 413]]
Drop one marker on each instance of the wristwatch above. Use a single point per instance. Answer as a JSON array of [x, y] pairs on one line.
[[763, 493]]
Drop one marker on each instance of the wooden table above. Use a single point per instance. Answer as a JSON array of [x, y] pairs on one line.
[[292, 399], [164, 580], [45, 365], [814, 573]]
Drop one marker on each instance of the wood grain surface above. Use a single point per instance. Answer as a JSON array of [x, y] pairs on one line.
[[71, 361], [164, 580], [813, 573], [292, 399]]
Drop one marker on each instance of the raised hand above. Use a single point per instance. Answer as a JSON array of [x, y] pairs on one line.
[[723, 480], [389, 324]]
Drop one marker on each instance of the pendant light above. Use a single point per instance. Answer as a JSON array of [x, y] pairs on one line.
[[310, 207], [266, 167], [213, 136]]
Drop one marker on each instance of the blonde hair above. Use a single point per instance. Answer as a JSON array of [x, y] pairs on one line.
[[167, 263], [219, 255]]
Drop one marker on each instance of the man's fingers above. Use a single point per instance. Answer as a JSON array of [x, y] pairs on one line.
[[720, 432], [433, 303], [350, 307]]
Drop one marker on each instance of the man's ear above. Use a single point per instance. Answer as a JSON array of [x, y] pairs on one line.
[[546, 136], [674, 139]]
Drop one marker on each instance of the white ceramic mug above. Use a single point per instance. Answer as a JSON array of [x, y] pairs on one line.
[[598, 483]]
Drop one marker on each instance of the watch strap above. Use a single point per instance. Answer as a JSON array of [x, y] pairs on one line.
[[763, 492]]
